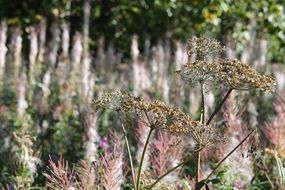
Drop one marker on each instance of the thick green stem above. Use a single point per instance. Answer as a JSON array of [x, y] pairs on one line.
[[142, 158], [129, 153], [219, 106], [230, 153]]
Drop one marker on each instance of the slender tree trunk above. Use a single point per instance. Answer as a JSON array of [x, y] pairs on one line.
[[86, 25], [3, 48]]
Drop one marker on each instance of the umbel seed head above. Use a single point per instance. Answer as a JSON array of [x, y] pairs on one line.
[[236, 75], [203, 47], [160, 116], [230, 73]]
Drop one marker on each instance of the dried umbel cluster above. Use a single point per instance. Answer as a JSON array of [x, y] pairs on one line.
[[147, 180], [198, 71], [230, 73], [236, 75], [206, 136], [203, 47], [158, 115]]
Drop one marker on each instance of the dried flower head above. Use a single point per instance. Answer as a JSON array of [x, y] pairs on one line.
[[197, 71], [236, 75], [112, 100], [206, 135], [147, 180], [172, 119], [204, 46], [124, 102], [157, 115], [230, 73]]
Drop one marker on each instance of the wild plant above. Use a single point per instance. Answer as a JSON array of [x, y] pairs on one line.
[[61, 177], [228, 74], [274, 131]]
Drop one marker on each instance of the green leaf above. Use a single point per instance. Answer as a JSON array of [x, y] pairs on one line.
[[135, 9], [221, 173], [215, 181], [201, 184]]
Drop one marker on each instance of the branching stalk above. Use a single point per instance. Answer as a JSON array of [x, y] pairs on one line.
[[168, 172], [219, 106], [202, 119], [198, 166], [202, 113], [142, 158], [230, 153], [129, 152]]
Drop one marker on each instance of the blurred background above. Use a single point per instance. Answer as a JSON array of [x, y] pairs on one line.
[[56, 56]]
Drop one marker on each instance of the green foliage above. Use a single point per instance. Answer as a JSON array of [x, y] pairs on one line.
[[7, 96], [117, 21], [223, 179], [30, 11]]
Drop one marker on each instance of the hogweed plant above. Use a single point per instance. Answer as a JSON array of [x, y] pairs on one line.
[[156, 115], [229, 73]]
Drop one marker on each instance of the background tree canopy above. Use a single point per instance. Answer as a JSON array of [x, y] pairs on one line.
[[117, 20]]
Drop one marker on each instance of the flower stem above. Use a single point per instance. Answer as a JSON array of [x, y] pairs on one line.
[[142, 158], [129, 152], [198, 166], [217, 166], [202, 113], [168, 172], [202, 120], [219, 106]]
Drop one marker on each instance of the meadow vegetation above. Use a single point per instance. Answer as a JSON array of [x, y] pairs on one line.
[[131, 95]]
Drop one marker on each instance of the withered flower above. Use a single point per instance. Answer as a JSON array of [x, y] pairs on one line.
[[230, 73], [206, 135], [197, 71], [157, 113], [124, 102], [160, 116], [204, 46], [112, 100], [148, 179], [172, 119], [236, 75]]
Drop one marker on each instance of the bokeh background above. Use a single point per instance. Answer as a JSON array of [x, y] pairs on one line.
[[57, 56]]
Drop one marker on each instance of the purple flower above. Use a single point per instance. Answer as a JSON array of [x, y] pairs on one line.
[[103, 142], [238, 184]]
